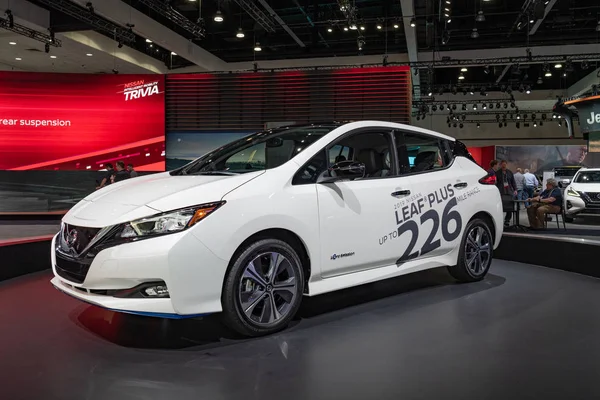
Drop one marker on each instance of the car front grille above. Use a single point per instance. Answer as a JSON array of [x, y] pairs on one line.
[[72, 259], [72, 269], [590, 197]]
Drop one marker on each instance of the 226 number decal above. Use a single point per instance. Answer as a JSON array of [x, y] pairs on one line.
[[431, 243]]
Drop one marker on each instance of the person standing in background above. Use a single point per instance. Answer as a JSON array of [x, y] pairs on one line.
[[132, 172], [493, 168], [505, 181], [531, 182], [106, 178], [121, 173], [520, 184]]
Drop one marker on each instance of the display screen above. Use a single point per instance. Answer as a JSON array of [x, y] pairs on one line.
[[81, 121]]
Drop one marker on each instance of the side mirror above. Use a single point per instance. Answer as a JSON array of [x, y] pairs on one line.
[[343, 171]]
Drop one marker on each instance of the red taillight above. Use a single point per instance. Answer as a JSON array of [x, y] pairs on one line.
[[488, 180]]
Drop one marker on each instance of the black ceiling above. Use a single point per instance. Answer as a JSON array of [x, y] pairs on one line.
[[319, 25]]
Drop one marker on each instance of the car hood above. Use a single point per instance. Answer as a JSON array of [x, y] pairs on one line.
[[586, 187], [151, 194]]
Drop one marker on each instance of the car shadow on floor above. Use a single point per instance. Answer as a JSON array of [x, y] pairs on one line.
[[406, 292]]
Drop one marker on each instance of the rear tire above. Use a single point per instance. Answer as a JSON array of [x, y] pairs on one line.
[[476, 250], [263, 288]]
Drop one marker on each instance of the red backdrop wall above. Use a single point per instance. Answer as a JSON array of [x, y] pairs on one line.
[[77, 121], [483, 155]]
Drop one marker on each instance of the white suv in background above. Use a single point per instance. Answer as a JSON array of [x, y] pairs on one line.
[[252, 227], [582, 196]]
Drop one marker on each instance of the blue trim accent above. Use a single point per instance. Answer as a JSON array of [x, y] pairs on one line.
[[141, 313]]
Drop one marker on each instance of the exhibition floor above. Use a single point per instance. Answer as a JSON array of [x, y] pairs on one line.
[[524, 332]]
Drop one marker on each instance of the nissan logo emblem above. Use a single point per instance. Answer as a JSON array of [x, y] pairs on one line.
[[72, 238]]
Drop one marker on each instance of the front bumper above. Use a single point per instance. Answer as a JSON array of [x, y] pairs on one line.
[[191, 272], [576, 205]]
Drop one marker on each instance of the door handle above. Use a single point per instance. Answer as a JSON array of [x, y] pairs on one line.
[[401, 193], [461, 185]]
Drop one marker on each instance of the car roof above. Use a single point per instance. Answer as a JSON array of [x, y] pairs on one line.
[[367, 123], [585, 169]]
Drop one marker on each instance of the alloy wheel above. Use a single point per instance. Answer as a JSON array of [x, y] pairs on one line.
[[268, 288], [478, 250]]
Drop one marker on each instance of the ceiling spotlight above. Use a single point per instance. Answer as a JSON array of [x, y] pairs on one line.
[[474, 34], [360, 43], [240, 33], [434, 108], [148, 41], [480, 17], [518, 125], [396, 26], [453, 107], [499, 124], [461, 125], [10, 17], [464, 107], [173, 53], [461, 77], [528, 89], [449, 20], [484, 106], [345, 29], [475, 107], [413, 22], [120, 45], [512, 104], [454, 125], [18, 58], [539, 80], [52, 56], [430, 93], [463, 69], [12, 43], [379, 27], [257, 47], [486, 69], [441, 107], [531, 21], [541, 123], [362, 28], [90, 7], [445, 37], [478, 125], [558, 66], [519, 116], [353, 27], [564, 74], [218, 16], [505, 105], [535, 124], [89, 54]]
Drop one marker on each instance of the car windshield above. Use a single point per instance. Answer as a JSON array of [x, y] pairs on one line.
[[257, 152], [588, 177]]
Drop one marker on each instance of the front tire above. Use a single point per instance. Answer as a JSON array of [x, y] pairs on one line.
[[475, 256], [263, 288]]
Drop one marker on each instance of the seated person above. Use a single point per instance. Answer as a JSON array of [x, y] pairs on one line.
[[548, 202]]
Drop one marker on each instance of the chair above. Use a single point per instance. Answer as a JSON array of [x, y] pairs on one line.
[[561, 213]]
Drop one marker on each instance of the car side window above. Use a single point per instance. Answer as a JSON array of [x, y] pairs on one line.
[[310, 172], [420, 152], [371, 148]]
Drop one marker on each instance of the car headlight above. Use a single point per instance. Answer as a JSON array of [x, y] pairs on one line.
[[169, 222], [572, 192]]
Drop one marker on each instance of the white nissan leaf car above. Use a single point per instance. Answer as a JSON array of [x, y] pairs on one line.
[[582, 196], [250, 228]]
